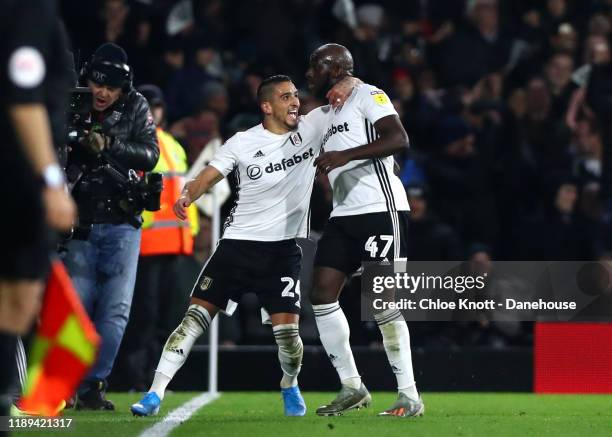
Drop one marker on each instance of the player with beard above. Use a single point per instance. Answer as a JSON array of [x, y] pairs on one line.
[[368, 223], [273, 163]]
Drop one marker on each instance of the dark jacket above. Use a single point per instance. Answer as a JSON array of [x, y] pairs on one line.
[[134, 142], [553, 236], [466, 57], [133, 145], [432, 240], [463, 196], [599, 98]]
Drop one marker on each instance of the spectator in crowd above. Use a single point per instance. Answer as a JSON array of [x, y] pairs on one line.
[[243, 97], [197, 130], [599, 99], [489, 330], [587, 146], [417, 114], [477, 49], [171, 61], [460, 181], [371, 46], [559, 71], [113, 16], [187, 85], [546, 137], [564, 40], [139, 42], [430, 239], [211, 15], [560, 232], [554, 14]]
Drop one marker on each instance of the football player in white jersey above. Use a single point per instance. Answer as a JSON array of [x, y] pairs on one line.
[[368, 223], [273, 162]]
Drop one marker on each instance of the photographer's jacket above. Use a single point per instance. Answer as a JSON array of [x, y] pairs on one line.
[[133, 144]]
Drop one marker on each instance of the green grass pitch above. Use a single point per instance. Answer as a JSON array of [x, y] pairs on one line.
[[458, 414]]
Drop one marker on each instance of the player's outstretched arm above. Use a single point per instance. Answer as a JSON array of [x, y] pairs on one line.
[[392, 139], [193, 189]]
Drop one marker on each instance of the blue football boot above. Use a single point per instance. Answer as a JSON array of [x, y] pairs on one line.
[[294, 402], [148, 405]]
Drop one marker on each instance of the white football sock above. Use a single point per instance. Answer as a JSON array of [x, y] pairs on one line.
[[290, 352], [334, 334], [177, 347], [396, 340]]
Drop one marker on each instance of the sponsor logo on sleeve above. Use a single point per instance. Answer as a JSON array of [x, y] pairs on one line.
[[379, 97]]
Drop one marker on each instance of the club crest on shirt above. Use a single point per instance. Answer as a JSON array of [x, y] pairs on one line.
[[205, 283], [379, 97], [295, 138]]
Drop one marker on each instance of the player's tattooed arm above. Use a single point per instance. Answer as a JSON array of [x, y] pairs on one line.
[[392, 139], [193, 189]]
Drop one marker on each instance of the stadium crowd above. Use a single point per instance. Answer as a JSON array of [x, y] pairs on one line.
[[506, 102]]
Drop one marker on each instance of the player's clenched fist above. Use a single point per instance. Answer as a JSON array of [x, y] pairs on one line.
[[181, 205]]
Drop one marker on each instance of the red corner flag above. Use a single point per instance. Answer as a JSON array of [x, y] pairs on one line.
[[65, 347]]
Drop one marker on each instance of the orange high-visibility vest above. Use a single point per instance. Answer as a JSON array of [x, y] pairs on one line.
[[162, 232]]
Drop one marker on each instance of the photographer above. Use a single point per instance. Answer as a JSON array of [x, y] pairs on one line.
[[103, 253]]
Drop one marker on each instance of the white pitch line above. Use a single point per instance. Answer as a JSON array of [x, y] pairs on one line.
[[179, 415]]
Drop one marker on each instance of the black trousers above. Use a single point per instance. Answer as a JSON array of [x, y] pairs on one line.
[[161, 297]]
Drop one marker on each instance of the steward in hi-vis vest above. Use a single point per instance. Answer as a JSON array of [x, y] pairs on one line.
[[162, 232]]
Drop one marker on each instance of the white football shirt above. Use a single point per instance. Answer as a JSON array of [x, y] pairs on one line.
[[362, 186], [275, 176]]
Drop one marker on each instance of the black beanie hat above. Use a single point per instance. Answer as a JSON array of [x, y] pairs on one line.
[[153, 94], [109, 66], [111, 52]]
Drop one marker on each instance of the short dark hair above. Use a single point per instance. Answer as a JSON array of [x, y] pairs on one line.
[[266, 85]]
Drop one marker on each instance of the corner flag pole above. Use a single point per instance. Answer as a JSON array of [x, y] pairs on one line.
[[213, 342]]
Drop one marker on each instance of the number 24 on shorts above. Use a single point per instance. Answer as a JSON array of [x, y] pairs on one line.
[[287, 290], [372, 246]]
